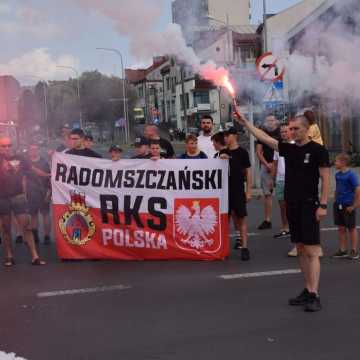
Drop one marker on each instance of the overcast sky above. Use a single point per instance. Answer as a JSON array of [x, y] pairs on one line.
[[38, 35]]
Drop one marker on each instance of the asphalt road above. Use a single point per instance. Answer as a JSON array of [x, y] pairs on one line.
[[179, 310]]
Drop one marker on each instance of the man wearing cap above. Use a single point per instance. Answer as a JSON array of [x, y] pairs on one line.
[[240, 172], [141, 148], [115, 152], [151, 133]]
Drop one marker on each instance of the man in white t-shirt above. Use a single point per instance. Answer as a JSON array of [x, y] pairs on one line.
[[204, 140], [279, 178]]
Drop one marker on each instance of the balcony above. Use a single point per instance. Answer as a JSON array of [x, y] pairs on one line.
[[203, 108]]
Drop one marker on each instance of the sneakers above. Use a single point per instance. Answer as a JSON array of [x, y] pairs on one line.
[[353, 255], [300, 299], [293, 252], [265, 225], [313, 303], [282, 234], [238, 244], [340, 254], [245, 254]]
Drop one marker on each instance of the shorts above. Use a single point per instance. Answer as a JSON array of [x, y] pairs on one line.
[[343, 218], [237, 202], [16, 205], [304, 227], [38, 202], [280, 190], [266, 181]]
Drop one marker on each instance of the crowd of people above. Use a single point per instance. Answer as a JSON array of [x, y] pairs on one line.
[[292, 158]]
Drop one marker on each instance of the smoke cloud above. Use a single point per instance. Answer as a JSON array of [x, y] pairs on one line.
[[326, 61], [137, 19]]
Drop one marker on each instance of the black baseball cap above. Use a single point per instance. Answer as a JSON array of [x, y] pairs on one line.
[[139, 141], [115, 148], [230, 131]]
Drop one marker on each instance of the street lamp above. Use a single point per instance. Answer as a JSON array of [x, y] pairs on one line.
[[127, 132], [78, 89]]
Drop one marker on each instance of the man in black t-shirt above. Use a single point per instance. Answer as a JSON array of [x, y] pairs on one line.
[[265, 155], [77, 137], [13, 200], [240, 172], [151, 133], [306, 162]]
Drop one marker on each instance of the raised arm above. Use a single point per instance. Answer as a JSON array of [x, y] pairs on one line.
[[259, 134]]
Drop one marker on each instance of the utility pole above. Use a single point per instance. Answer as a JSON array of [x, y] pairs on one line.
[[265, 27]]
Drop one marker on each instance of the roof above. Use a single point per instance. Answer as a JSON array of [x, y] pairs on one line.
[[138, 75]]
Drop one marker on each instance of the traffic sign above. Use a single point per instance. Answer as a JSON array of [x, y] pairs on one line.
[[270, 67]]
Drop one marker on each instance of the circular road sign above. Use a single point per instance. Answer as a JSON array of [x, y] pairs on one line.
[[270, 67]]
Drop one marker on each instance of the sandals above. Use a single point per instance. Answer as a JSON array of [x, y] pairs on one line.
[[9, 262], [38, 262]]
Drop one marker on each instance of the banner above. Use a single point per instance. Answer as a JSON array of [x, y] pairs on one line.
[[140, 209]]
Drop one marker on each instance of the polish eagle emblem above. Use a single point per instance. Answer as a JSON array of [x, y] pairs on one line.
[[196, 226]]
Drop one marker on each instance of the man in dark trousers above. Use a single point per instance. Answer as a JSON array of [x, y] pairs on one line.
[[306, 162]]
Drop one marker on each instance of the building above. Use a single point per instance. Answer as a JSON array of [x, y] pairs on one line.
[[9, 96], [287, 32], [201, 15]]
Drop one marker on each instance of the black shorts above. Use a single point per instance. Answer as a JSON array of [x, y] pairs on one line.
[[237, 202], [304, 228], [16, 205], [343, 218]]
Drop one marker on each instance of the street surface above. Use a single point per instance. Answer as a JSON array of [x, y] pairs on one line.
[[175, 310]]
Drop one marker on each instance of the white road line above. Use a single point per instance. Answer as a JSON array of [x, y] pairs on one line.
[[260, 274], [82, 291]]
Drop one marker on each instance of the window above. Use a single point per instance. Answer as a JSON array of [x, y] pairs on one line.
[[167, 83], [201, 97]]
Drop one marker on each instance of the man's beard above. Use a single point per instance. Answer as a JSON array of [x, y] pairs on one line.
[[206, 131]]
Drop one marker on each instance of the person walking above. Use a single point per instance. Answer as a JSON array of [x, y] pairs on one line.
[[306, 162]]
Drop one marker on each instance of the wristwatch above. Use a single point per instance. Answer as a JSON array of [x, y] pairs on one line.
[[323, 206]]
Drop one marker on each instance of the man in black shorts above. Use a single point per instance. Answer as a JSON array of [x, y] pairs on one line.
[[305, 163], [240, 172], [13, 200]]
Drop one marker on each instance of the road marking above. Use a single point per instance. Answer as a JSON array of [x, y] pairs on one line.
[[260, 274], [82, 291]]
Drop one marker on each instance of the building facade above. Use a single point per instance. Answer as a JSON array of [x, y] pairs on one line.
[[9, 97]]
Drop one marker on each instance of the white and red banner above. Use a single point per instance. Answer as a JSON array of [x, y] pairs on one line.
[[140, 209]]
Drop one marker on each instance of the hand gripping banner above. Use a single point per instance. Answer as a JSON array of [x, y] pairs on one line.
[[140, 209]]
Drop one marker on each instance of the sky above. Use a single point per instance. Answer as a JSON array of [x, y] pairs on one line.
[[39, 35]]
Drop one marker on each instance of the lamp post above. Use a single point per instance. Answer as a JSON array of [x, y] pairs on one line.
[[265, 27], [78, 89], [127, 130]]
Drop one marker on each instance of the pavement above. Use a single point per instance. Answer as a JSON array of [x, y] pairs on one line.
[[178, 310]]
